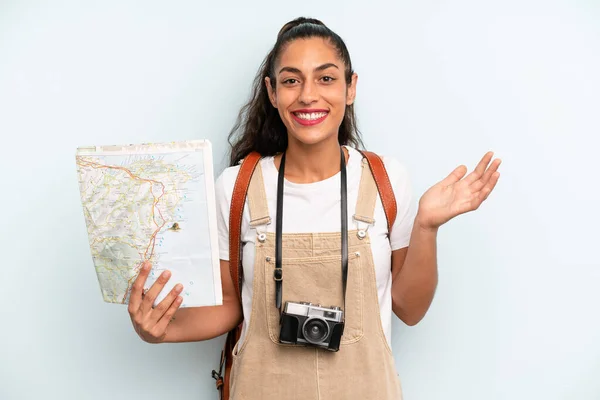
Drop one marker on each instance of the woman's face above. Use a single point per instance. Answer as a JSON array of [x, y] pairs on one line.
[[311, 93]]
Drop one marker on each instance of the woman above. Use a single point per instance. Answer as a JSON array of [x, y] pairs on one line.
[[301, 120]]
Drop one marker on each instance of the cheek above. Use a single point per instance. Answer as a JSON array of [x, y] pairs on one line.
[[285, 98], [337, 95]]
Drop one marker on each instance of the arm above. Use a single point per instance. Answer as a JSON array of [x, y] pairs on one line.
[[414, 275], [202, 323], [414, 268]]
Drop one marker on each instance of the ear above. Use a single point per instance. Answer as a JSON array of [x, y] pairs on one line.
[[351, 92], [272, 94]]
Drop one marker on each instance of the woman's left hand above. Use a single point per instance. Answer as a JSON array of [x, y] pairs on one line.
[[454, 195]]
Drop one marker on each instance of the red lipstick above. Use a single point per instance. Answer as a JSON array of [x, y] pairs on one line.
[[309, 122]]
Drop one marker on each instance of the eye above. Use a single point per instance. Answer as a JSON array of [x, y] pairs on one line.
[[290, 81], [328, 79]]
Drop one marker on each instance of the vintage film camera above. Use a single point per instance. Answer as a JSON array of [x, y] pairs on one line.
[[312, 325]]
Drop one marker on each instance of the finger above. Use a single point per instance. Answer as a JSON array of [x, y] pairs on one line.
[[485, 192], [480, 168], [491, 185], [164, 321], [164, 305], [454, 176], [135, 297], [480, 183], [155, 290], [490, 171]]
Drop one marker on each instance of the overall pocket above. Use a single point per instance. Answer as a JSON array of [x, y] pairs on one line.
[[318, 280]]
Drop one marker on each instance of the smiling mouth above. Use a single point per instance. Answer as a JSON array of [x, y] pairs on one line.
[[310, 118]]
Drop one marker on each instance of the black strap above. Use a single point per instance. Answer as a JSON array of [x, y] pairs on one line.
[[278, 273], [344, 228]]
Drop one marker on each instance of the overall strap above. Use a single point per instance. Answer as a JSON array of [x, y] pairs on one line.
[[257, 200], [367, 195]]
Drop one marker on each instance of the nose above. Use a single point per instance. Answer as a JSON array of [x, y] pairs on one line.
[[309, 93]]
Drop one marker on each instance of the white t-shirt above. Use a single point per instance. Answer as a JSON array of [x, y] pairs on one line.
[[317, 209]]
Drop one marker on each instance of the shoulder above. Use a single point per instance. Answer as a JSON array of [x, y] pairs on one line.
[[395, 168], [399, 176], [225, 182], [228, 176]]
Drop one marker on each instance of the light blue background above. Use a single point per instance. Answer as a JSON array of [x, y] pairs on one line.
[[440, 82]]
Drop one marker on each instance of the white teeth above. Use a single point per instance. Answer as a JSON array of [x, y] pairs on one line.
[[310, 116]]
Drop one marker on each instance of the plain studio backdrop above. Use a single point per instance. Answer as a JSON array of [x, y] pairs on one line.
[[440, 83]]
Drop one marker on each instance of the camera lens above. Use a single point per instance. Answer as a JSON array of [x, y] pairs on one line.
[[315, 330]]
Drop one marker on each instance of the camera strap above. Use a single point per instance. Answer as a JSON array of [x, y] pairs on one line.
[[278, 273]]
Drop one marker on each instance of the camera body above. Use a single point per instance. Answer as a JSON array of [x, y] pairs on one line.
[[311, 325]]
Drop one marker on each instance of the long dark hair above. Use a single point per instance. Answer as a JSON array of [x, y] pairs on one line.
[[259, 126]]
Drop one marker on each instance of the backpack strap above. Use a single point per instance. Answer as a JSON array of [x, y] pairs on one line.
[[238, 199], [384, 186]]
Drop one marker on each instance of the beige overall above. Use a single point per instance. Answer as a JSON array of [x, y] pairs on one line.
[[363, 368]]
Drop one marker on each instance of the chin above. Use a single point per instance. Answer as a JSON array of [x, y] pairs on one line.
[[313, 135], [309, 139]]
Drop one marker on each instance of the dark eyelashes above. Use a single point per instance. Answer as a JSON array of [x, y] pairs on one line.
[[329, 79]]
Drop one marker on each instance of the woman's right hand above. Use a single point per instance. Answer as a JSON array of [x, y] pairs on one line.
[[150, 322]]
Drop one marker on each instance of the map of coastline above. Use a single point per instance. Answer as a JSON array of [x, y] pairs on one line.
[[145, 207]]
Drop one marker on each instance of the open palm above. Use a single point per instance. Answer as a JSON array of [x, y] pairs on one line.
[[454, 195]]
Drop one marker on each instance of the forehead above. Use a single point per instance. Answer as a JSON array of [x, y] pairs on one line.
[[306, 54]]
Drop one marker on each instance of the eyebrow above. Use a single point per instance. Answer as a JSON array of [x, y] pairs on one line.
[[297, 71]]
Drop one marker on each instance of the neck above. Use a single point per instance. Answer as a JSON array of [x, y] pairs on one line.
[[311, 163]]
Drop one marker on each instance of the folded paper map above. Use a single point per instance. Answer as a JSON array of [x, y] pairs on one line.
[[152, 202]]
